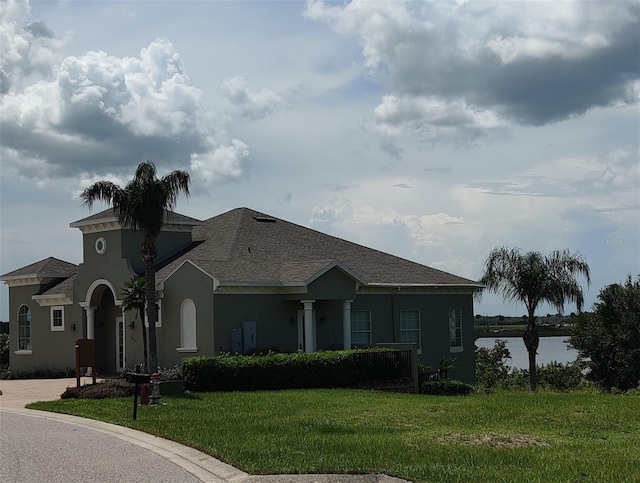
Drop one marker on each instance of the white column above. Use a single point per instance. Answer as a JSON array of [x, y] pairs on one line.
[[91, 312], [346, 324], [309, 335]]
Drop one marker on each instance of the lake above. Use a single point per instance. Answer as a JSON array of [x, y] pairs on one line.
[[550, 349]]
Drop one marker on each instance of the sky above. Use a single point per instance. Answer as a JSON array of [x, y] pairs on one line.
[[434, 131]]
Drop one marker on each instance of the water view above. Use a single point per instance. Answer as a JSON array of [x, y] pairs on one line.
[[550, 349]]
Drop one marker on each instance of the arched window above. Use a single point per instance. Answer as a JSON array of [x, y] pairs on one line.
[[24, 328], [188, 325]]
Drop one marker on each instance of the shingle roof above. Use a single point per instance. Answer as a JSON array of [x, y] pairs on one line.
[[246, 246], [60, 287], [48, 268]]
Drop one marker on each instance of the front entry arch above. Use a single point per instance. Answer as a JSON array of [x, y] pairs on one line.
[[105, 324]]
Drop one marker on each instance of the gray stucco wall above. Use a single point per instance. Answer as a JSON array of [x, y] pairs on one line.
[[50, 350], [275, 328], [434, 323], [187, 282], [167, 243], [334, 284]]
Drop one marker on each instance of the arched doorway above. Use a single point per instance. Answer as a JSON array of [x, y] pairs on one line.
[[105, 324]]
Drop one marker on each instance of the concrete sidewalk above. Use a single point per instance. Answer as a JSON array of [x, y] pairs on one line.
[[17, 393]]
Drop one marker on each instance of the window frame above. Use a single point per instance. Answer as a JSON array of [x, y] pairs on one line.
[[369, 331], [146, 314], [57, 328], [404, 330], [192, 347], [24, 348], [455, 330]]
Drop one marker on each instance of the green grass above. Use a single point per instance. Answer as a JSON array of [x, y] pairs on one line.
[[511, 436]]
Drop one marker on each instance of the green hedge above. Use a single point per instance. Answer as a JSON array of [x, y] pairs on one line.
[[286, 371], [446, 388]]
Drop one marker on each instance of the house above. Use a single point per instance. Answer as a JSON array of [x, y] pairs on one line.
[[238, 281]]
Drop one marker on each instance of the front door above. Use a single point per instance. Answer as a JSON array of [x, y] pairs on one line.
[[120, 362]]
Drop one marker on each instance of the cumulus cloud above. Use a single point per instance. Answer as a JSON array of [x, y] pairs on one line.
[[252, 103], [99, 113], [471, 67], [224, 163], [28, 48]]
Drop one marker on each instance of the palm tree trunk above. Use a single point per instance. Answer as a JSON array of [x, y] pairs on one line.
[[149, 255], [144, 340], [531, 342]]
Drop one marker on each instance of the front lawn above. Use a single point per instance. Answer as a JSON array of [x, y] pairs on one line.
[[511, 436]]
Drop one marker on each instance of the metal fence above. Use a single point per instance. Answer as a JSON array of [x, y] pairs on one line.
[[382, 365]]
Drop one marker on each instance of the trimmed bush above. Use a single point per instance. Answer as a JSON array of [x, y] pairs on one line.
[[446, 388], [288, 371], [100, 390]]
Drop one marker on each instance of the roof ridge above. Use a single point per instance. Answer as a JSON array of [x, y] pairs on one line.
[[236, 235]]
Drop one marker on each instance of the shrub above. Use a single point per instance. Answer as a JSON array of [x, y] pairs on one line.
[[100, 390], [288, 371], [446, 388], [170, 374], [4, 349], [492, 368], [561, 377]]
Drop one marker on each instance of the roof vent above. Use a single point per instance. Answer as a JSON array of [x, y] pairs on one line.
[[265, 219]]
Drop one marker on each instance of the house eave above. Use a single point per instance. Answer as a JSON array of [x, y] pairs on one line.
[[449, 289], [23, 280], [50, 300]]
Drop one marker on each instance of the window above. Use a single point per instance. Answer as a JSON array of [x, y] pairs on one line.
[[410, 327], [455, 330], [360, 327], [24, 328], [57, 318], [146, 318], [188, 326]]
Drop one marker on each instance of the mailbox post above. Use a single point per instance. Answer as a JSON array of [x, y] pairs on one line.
[[137, 379]]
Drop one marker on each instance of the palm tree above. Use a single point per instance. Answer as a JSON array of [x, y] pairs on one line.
[[134, 298], [142, 205], [531, 278]]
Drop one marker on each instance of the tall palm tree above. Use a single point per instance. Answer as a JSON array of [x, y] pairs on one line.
[[531, 278], [134, 295], [142, 205]]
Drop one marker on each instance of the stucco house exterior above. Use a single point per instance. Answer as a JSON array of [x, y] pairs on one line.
[[239, 281]]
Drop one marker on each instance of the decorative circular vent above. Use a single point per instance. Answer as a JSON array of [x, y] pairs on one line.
[[101, 245]]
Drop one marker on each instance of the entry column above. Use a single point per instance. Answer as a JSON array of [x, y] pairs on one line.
[[346, 324], [91, 313], [309, 329]]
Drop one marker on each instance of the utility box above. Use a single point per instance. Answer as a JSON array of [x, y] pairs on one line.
[[236, 341], [248, 336]]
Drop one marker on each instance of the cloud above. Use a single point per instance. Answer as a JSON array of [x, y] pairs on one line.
[[221, 164], [252, 103], [615, 173], [460, 70], [98, 114], [432, 120], [27, 48]]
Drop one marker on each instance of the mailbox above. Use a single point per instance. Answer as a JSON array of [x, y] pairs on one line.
[[135, 378]]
